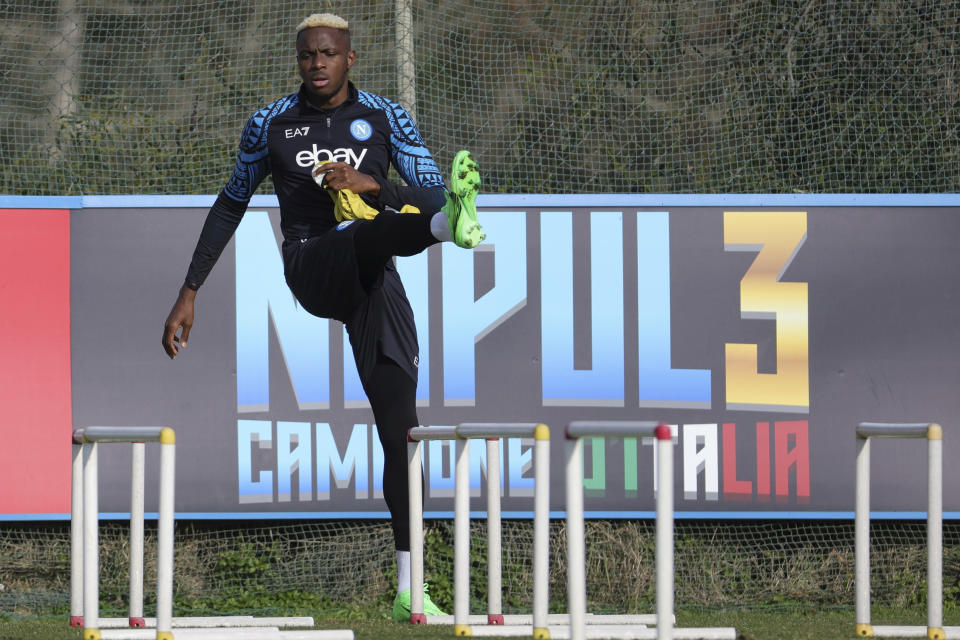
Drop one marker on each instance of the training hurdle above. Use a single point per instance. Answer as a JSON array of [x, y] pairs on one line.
[[494, 623], [866, 431], [463, 623], [85, 560], [576, 544]]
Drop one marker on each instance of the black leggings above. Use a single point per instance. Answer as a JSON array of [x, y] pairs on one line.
[[391, 391], [388, 235], [393, 396]]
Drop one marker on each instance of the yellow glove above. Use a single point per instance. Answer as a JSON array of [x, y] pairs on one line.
[[349, 206], [346, 204]]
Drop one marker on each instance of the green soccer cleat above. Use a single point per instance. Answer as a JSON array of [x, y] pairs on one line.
[[461, 206], [401, 605]]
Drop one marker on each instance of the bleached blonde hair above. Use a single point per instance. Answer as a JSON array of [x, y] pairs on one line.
[[330, 20]]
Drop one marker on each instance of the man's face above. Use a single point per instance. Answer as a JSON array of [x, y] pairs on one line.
[[324, 58]]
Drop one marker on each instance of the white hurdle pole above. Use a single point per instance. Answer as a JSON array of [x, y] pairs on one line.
[[934, 435], [89, 437], [464, 624], [541, 531], [84, 511], [91, 544], [664, 534], [494, 535], [540, 433], [76, 536], [165, 536], [415, 491], [415, 438], [576, 548], [461, 540], [137, 454], [861, 523], [935, 630]]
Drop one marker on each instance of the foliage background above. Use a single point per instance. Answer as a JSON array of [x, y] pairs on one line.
[[566, 96]]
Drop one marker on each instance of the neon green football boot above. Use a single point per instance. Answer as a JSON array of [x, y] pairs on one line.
[[461, 206], [401, 605]]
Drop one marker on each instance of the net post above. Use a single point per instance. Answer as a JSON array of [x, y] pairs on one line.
[[137, 456], [415, 490], [76, 535], [862, 537], [494, 529], [461, 539], [664, 533], [576, 554], [935, 533], [406, 68]]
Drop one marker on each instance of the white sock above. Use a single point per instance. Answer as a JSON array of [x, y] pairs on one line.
[[440, 228], [403, 570]]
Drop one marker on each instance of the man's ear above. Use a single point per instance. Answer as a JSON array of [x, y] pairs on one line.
[[351, 58]]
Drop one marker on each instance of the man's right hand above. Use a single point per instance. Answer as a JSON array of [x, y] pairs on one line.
[[180, 320]]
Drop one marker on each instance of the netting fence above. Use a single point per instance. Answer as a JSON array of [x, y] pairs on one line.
[[560, 96], [336, 564], [552, 96]]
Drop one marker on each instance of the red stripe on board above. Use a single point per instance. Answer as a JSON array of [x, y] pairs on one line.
[[35, 393]]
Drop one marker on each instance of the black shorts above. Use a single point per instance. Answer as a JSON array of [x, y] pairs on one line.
[[323, 275]]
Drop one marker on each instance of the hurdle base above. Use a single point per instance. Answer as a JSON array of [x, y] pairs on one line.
[[605, 632], [237, 633], [553, 619], [899, 631], [76, 621], [210, 622], [136, 623], [916, 631]]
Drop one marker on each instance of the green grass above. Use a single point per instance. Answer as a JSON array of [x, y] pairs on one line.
[[797, 623]]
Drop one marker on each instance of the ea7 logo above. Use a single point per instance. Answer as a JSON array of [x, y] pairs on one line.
[[295, 132], [309, 157]]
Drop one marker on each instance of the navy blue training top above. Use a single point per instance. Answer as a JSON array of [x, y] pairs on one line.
[[286, 137]]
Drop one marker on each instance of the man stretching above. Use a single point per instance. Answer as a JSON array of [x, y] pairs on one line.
[[329, 147]]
